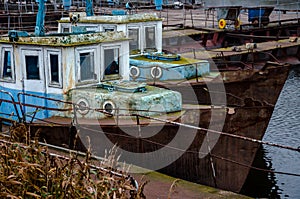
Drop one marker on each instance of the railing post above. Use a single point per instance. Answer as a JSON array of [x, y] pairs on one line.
[[36, 110], [75, 115], [197, 73], [138, 122], [117, 111], [194, 52]]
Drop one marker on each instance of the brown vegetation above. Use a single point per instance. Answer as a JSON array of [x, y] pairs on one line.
[[29, 170]]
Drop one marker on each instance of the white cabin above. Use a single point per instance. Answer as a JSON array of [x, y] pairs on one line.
[[145, 34], [143, 30], [88, 69]]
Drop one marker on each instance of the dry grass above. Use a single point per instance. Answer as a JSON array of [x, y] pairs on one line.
[[28, 170]]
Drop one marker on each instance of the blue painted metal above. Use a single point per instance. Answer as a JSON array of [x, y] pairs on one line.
[[170, 70], [158, 4], [8, 110], [67, 4], [111, 2], [125, 86], [89, 8], [78, 29], [162, 56], [40, 19], [15, 34], [118, 12], [129, 5], [7, 97], [259, 13], [255, 13]]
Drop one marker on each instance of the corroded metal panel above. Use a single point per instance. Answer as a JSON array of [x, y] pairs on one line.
[[152, 101]]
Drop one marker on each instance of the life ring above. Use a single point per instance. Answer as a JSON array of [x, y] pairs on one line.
[[222, 23], [109, 107], [134, 72], [156, 72], [82, 106]]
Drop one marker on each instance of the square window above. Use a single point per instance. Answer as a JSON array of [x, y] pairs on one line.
[[111, 62], [32, 67], [134, 35], [109, 28], [54, 68], [150, 38], [65, 29], [87, 67], [7, 72]]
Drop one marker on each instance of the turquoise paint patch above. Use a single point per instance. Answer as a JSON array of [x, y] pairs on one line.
[[154, 101], [170, 71]]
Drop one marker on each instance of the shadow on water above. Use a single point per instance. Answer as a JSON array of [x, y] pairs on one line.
[[261, 184]]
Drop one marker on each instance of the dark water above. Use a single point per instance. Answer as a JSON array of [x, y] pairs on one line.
[[284, 129]]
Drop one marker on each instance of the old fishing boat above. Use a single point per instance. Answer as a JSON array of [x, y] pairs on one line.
[[70, 85], [58, 86], [148, 63]]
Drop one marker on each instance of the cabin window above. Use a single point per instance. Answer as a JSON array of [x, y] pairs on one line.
[[111, 63], [32, 67], [150, 38], [54, 68], [87, 67], [7, 67], [133, 34], [65, 30], [91, 28], [109, 28]]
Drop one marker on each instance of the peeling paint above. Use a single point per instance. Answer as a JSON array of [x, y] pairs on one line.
[[122, 19], [148, 103], [68, 40]]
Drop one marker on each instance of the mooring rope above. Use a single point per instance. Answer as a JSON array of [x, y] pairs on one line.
[[214, 131], [197, 152], [224, 133]]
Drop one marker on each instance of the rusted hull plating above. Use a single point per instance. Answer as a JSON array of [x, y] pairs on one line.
[[230, 158], [242, 87]]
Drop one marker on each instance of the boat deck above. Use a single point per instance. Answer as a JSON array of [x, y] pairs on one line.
[[228, 52], [187, 32], [123, 120]]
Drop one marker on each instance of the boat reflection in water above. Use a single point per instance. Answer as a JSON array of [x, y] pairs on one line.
[[261, 183], [284, 129]]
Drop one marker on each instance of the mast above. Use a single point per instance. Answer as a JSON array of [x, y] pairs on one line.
[[89, 8], [40, 19]]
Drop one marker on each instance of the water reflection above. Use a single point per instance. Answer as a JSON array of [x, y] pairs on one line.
[[283, 129], [261, 184]]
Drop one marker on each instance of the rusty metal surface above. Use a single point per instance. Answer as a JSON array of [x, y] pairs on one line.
[[230, 156], [183, 32], [260, 86], [228, 52]]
